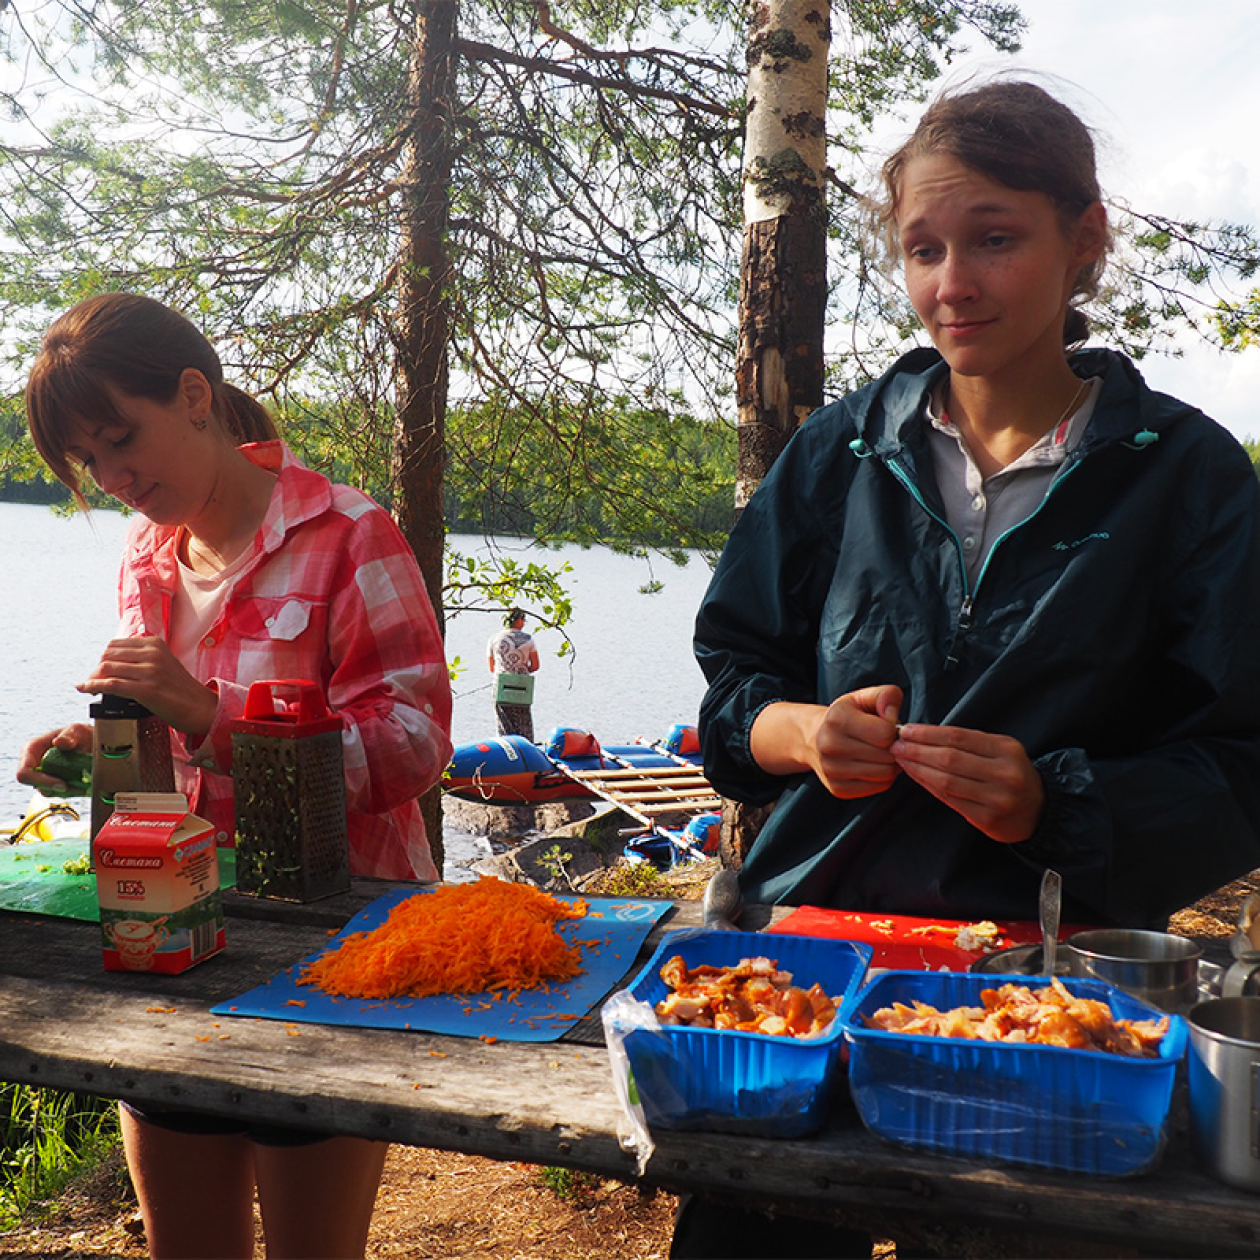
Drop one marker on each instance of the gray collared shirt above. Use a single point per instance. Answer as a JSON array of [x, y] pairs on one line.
[[980, 510]]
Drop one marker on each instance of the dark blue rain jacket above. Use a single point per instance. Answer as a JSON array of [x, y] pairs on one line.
[[1115, 633]]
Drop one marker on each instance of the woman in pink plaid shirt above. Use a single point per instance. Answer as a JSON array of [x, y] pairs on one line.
[[242, 565]]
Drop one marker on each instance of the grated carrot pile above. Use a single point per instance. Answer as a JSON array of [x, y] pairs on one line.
[[461, 938]]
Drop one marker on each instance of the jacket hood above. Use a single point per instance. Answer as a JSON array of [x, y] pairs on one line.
[[1127, 409]]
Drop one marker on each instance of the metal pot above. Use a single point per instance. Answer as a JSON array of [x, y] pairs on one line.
[[1156, 967], [1224, 1077], [1019, 960]]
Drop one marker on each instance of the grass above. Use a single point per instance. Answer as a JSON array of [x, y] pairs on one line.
[[48, 1138], [685, 882], [634, 879]]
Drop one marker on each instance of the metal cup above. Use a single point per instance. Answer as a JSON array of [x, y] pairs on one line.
[[1242, 979], [1155, 967], [1224, 1078]]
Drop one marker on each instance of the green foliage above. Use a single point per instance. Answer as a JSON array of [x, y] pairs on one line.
[[23, 476], [248, 164], [635, 879], [554, 862], [245, 163], [49, 1137], [589, 472], [495, 582], [606, 472], [1167, 275], [568, 1184], [1238, 323]]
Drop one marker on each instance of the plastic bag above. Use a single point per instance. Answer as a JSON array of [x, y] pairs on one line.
[[622, 1014]]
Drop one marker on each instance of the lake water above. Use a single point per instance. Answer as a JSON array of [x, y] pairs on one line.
[[631, 673]]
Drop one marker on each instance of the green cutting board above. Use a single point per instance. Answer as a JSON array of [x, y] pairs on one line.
[[33, 878]]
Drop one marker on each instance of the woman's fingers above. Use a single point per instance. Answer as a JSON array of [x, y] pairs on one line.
[[988, 779]]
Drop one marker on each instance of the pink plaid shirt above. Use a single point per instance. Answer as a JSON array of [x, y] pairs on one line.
[[332, 594]]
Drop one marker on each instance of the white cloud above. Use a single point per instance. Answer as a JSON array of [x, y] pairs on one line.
[[1226, 386], [1171, 91], [1205, 183]]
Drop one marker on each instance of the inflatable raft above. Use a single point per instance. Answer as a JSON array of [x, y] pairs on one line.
[[509, 770], [661, 785], [667, 847]]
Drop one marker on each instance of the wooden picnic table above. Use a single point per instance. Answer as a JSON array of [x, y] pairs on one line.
[[68, 1024]]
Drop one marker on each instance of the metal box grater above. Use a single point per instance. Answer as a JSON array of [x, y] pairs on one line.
[[289, 785], [131, 752]]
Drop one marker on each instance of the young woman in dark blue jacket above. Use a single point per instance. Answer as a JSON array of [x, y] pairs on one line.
[[999, 610]]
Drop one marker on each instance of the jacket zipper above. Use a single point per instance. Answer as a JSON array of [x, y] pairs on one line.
[[1064, 473], [962, 623]]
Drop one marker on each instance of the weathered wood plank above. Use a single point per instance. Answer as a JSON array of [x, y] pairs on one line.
[[68, 1024], [683, 806], [455, 1093], [650, 793], [654, 772]]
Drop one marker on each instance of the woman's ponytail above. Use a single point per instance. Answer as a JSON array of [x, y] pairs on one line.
[[247, 420]]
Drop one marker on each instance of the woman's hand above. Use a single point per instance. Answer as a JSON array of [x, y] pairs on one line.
[[77, 737], [148, 671], [846, 744], [988, 779]]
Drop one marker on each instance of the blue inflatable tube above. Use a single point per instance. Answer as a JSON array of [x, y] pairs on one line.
[[509, 770]]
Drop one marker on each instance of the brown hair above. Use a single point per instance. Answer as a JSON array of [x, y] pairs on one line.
[[140, 348], [1014, 133]]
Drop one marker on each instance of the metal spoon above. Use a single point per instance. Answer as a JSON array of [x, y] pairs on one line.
[[1051, 900]]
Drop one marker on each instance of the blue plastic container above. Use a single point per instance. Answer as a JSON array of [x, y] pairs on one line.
[[1043, 1106], [742, 1082]]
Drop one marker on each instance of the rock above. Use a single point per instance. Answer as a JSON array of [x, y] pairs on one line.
[[505, 822], [560, 860]]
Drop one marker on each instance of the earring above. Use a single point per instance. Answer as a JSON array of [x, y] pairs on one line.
[[200, 422]]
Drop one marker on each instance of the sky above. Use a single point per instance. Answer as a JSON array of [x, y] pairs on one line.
[[1171, 90]]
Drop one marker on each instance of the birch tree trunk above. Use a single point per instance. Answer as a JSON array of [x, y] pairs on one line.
[[422, 327], [783, 280], [783, 284]]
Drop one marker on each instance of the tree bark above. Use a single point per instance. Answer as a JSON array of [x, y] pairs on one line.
[[779, 374], [783, 280], [422, 327]]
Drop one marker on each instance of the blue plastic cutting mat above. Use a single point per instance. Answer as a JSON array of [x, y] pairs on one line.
[[611, 932]]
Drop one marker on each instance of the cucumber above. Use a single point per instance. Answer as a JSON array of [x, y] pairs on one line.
[[74, 769]]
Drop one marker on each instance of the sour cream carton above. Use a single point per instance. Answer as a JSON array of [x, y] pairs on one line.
[[157, 883]]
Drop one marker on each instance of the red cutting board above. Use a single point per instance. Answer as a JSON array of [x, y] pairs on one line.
[[902, 942]]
